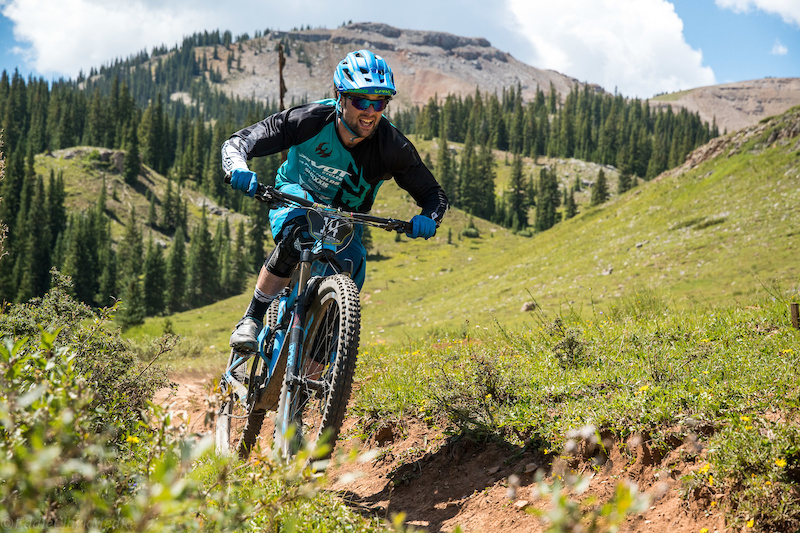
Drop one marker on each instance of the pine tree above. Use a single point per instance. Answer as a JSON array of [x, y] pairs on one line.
[[107, 284], [468, 190], [530, 193], [80, 262], [624, 183], [239, 261], [11, 194], [485, 176], [131, 165], [570, 207], [152, 216], [176, 273], [445, 173], [157, 139], [130, 252], [132, 309], [3, 228], [168, 218], [429, 126], [599, 190], [154, 279], [198, 149], [547, 200], [202, 284], [500, 134], [222, 251], [35, 272], [517, 210]]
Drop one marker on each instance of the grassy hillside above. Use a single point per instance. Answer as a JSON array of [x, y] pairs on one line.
[[662, 329], [714, 234], [710, 235], [86, 167]]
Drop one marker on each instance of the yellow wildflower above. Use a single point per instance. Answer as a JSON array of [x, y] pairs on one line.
[[705, 468], [780, 462], [751, 523], [133, 440], [644, 388]]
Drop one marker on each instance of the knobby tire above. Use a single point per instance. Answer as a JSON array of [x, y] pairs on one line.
[[230, 429], [229, 422], [329, 355]]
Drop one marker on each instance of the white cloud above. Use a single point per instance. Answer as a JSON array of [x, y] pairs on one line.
[[778, 49], [636, 46], [67, 36], [788, 10], [64, 37]]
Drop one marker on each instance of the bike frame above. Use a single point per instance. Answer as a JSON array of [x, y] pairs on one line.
[[286, 337]]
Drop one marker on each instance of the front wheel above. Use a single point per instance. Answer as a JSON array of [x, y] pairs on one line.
[[312, 405]]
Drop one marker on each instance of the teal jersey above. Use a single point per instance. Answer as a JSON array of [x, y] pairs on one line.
[[324, 167], [320, 163]]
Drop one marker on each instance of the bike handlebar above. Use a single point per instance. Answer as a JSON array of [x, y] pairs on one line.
[[270, 195]]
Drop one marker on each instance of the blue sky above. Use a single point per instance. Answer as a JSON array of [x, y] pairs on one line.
[[638, 47]]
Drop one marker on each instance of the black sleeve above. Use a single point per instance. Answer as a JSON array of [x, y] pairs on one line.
[[278, 132], [412, 175]]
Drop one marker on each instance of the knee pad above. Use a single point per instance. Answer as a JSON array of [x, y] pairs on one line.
[[286, 254]]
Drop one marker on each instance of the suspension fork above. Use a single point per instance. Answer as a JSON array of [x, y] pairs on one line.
[[296, 333]]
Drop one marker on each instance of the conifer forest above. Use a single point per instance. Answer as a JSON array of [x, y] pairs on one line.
[[129, 106]]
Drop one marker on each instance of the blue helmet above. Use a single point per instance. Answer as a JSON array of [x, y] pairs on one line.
[[363, 72]]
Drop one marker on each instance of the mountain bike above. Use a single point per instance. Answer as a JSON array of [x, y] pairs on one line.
[[306, 355]]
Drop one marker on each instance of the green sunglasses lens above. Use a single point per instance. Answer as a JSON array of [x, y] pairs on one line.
[[363, 103]]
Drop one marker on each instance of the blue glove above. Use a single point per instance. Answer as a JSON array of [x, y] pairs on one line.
[[244, 180], [422, 226]]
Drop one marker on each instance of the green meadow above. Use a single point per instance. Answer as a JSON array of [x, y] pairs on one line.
[[663, 314], [720, 234]]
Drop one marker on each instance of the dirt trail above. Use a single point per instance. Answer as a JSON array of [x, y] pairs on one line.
[[441, 483]]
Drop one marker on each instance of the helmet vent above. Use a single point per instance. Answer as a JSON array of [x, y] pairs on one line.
[[363, 72]]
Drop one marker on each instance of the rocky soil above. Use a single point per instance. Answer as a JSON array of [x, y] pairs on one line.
[[441, 482]]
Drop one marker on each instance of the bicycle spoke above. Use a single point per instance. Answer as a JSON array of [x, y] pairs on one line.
[[316, 399]]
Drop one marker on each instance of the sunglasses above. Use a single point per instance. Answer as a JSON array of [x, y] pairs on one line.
[[362, 104]]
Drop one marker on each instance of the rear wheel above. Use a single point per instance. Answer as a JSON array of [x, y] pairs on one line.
[[313, 406], [232, 415], [238, 427]]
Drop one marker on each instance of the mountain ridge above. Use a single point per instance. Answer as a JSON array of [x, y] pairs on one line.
[[425, 64], [430, 64]]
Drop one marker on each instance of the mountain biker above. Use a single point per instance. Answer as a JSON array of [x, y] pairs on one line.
[[340, 151]]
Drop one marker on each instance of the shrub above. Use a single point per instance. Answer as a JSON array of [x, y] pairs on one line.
[[122, 384], [83, 449]]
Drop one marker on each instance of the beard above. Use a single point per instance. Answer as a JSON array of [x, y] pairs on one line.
[[355, 125]]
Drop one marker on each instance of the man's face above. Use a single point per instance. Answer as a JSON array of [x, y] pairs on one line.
[[363, 121]]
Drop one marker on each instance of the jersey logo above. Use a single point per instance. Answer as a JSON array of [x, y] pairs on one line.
[[322, 151]]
